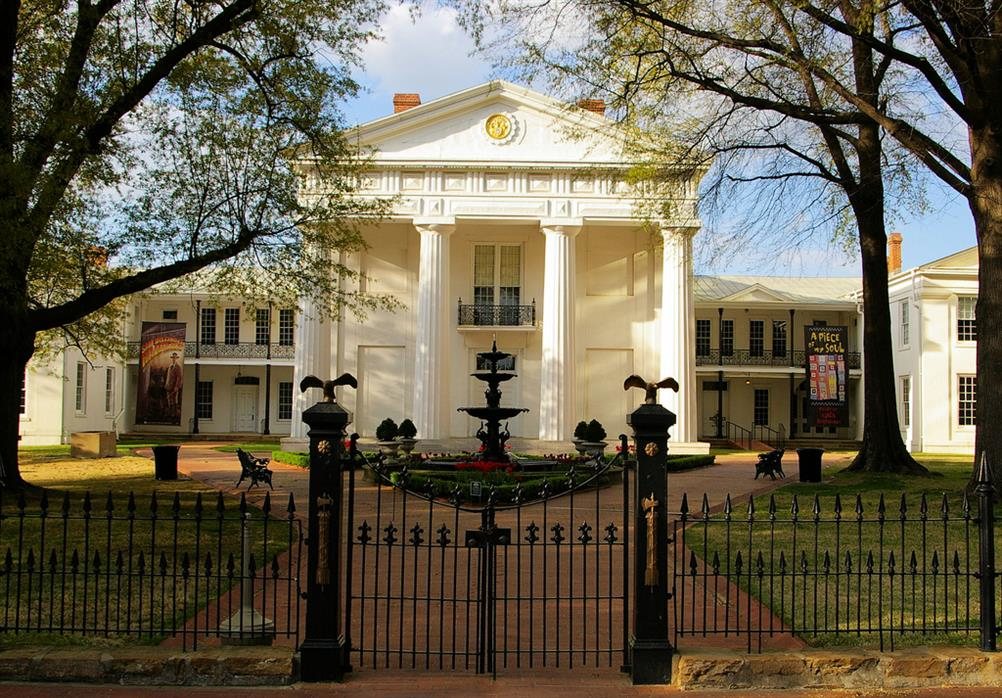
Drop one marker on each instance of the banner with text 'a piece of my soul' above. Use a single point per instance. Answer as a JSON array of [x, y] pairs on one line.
[[827, 376], [161, 373]]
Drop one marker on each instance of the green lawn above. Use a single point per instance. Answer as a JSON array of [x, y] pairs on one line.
[[127, 566], [816, 568]]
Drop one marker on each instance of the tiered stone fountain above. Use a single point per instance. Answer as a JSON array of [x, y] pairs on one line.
[[491, 416]]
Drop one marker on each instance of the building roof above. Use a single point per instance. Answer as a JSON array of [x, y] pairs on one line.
[[775, 289]]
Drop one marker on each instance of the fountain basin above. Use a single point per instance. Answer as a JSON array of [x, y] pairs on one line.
[[489, 413]]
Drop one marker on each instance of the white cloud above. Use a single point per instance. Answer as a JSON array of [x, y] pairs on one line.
[[429, 54]]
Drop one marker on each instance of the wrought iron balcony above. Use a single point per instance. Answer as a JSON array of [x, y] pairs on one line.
[[483, 315], [242, 350], [747, 357]]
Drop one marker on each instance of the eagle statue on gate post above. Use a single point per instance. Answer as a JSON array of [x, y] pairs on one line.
[[651, 395], [328, 385]]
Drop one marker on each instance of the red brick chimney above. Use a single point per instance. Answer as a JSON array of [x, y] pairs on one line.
[[402, 101], [593, 105], [894, 253]]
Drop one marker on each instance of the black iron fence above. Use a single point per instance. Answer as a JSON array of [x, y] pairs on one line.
[[519, 579], [147, 571], [845, 573]]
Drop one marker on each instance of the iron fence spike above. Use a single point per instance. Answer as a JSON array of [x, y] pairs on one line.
[[945, 507]]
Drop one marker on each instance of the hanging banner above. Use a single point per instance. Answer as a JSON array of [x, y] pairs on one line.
[[161, 373], [827, 376]]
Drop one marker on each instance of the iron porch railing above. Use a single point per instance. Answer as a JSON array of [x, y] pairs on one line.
[[484, 315], [242, 350], [747, 357]]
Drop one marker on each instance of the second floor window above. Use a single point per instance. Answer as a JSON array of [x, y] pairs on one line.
[[207, 331], [727, 338], [262, 326], [231, 326], [702, 337], [779, 338], [967, 321], [905, 324], [756, 338], [286, 327], [497, 280]]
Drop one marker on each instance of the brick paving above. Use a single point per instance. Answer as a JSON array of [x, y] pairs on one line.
[[402, 634]]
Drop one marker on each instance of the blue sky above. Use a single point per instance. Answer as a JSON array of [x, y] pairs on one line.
[[431, 55]]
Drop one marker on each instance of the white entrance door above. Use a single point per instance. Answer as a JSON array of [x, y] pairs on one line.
[[245, 408]]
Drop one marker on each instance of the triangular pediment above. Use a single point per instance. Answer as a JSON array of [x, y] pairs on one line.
[[756, 293], [528, 127], [965, 259]]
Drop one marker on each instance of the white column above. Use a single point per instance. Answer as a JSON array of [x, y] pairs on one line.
[[677, 330], [556, 392], [308, 362], [431, 341]]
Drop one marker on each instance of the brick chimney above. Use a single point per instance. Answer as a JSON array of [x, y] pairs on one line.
[[402, 101], [596, 106], [894, 253]]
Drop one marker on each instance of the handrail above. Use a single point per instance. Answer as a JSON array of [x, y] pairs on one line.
[[737, 434], [766, 434], [494, 315]]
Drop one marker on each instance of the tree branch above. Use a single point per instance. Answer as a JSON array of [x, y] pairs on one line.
[[93, 299]]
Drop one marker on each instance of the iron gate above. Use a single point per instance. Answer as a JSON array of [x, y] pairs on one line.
[[521, 579]]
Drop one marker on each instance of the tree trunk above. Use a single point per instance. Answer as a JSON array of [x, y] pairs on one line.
[[986, 205], [17, 344], [882, 449]]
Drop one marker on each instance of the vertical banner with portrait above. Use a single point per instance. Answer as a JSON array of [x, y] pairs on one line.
[[161, 373], [827, 376]]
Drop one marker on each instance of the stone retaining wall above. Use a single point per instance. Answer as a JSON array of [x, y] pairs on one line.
[[913, 668], [152, 666]]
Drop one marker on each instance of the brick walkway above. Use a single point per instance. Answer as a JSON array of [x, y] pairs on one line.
[[732, 474]]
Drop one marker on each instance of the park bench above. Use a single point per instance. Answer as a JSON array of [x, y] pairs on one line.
[[770, 464], [254, 468]]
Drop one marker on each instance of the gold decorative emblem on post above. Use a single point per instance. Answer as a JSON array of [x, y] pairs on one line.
[[650, 505], [651, 449], [324, 447], [323, 539], [498, 126]]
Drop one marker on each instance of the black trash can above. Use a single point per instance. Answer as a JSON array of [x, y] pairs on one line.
[[810, 464], [165, 461]]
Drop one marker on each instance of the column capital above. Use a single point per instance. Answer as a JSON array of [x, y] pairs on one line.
[[441, 225], [561, 226]]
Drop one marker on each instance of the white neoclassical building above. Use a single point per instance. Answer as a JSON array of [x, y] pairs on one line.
[[934, 330], [513, 220]]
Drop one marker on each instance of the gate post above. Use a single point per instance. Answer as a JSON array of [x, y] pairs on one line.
[[651, 653], [986, 564], [324, 652]]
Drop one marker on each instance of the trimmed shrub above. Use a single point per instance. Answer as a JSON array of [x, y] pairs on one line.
[[683, 462], [387, 430], [301, 460], [580, 431], [595, 431], [407, 429]]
